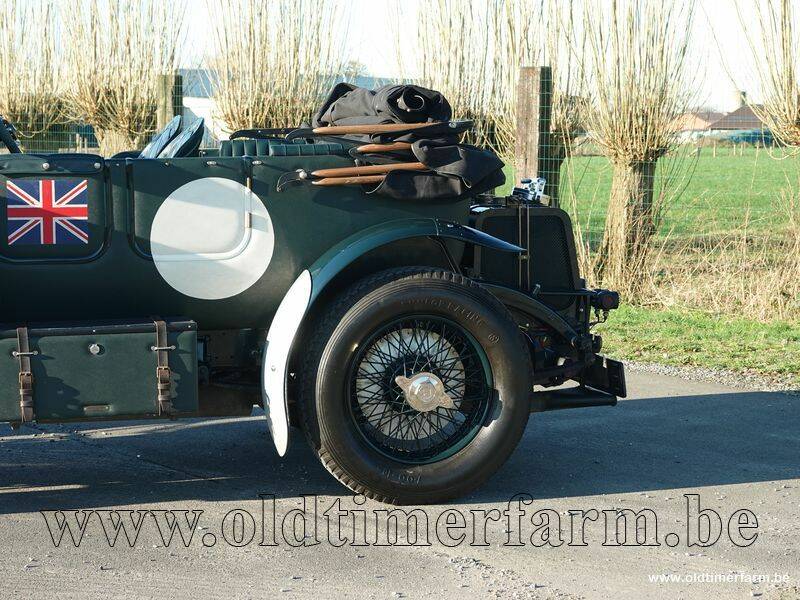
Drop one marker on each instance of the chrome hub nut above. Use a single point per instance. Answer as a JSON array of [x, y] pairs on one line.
[[424, 392]]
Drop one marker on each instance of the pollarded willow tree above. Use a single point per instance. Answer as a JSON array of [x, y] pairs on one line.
[[28, 69], [774, 41], [117, 52], [272, 61], [472, 52], [773, 37], [637, 71], [564, 52], [516, 42]]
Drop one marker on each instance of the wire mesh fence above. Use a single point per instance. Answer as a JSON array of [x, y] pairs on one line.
[[724, 172], [72, 136], [718, 214]]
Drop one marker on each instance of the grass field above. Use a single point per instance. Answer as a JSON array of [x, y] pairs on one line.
[[709, 195], [714, 304], [691, 338]]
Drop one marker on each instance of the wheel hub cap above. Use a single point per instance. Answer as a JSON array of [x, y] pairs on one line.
[[424, 392]]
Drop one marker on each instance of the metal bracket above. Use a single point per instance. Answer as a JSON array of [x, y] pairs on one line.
[[17, 354], [291, 177]]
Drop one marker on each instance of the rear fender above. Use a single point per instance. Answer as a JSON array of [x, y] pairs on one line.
[[533, 308], [312, 282], [338, 258]]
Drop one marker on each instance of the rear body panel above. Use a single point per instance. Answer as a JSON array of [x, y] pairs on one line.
[[118, 279]]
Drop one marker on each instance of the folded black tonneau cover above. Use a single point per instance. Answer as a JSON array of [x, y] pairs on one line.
[[455, 170]]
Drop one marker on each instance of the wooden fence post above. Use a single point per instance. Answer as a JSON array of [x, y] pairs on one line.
[[170, 99], [533, 139]]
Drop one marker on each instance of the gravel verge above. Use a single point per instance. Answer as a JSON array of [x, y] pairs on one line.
[[747, 381]]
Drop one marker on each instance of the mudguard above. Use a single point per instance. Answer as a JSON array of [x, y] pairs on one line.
[[280, 339], [309, 285], [528, 305], [335, 260]]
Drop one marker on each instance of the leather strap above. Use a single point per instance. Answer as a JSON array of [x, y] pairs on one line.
[[24, 354], [163, 372]]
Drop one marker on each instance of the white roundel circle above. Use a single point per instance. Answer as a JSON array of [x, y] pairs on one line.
[[212, 238]]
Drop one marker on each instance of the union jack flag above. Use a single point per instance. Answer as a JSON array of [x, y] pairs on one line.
[[47, 211]]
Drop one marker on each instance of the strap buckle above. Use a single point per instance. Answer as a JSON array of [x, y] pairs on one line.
[[24, 353], [163, 374], [163, 371], [26, 381], [163, 389], [26, 396]]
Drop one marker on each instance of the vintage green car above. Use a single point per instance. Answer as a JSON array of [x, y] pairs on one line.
[[405, 337]]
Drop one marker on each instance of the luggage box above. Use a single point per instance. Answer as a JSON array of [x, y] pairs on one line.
[[102, 371]]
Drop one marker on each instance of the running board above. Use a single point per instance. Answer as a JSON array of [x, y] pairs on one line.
[[574, 397]]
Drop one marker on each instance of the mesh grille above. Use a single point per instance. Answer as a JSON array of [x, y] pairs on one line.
[[551, 266], [495, 265]]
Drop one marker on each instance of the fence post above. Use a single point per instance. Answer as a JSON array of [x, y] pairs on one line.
[[533, 139], [170, 98]]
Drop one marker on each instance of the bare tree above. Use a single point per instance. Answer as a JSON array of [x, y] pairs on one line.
[[516, 42], [564, 52], [273, 60], [28, 78], [637, 72], [472, 52], [117, 50], [774, 41]]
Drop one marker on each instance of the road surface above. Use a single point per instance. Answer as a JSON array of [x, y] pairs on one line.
[[673, 444]]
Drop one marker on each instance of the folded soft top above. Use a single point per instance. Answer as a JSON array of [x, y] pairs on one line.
[[454, 170], [348, 104]]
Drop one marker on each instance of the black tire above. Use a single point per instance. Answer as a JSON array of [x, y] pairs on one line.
[[326, 384]]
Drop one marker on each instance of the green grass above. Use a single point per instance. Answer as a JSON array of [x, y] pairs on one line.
[[686, 338], [710, 195], [715, 195]]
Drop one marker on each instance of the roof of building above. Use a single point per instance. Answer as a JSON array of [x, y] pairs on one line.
[[742, 118], [698, 120]]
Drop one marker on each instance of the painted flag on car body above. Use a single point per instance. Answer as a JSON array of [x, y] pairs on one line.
[[47, 211]]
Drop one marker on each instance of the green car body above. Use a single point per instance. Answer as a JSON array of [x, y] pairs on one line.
[[88, 307]]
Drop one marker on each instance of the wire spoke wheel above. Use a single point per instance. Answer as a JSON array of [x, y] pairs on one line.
[[419, 389], [415, 385]]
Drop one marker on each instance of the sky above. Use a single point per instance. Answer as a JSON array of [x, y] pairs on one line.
[[720, 51]]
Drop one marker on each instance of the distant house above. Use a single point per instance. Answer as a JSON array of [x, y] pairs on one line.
[[698, 120], [692, 126], [743, 118], [695, 124]]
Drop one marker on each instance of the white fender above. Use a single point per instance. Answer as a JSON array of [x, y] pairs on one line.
[[280, 338]]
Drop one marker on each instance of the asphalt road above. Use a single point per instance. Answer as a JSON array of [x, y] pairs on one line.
[[736, 450]]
